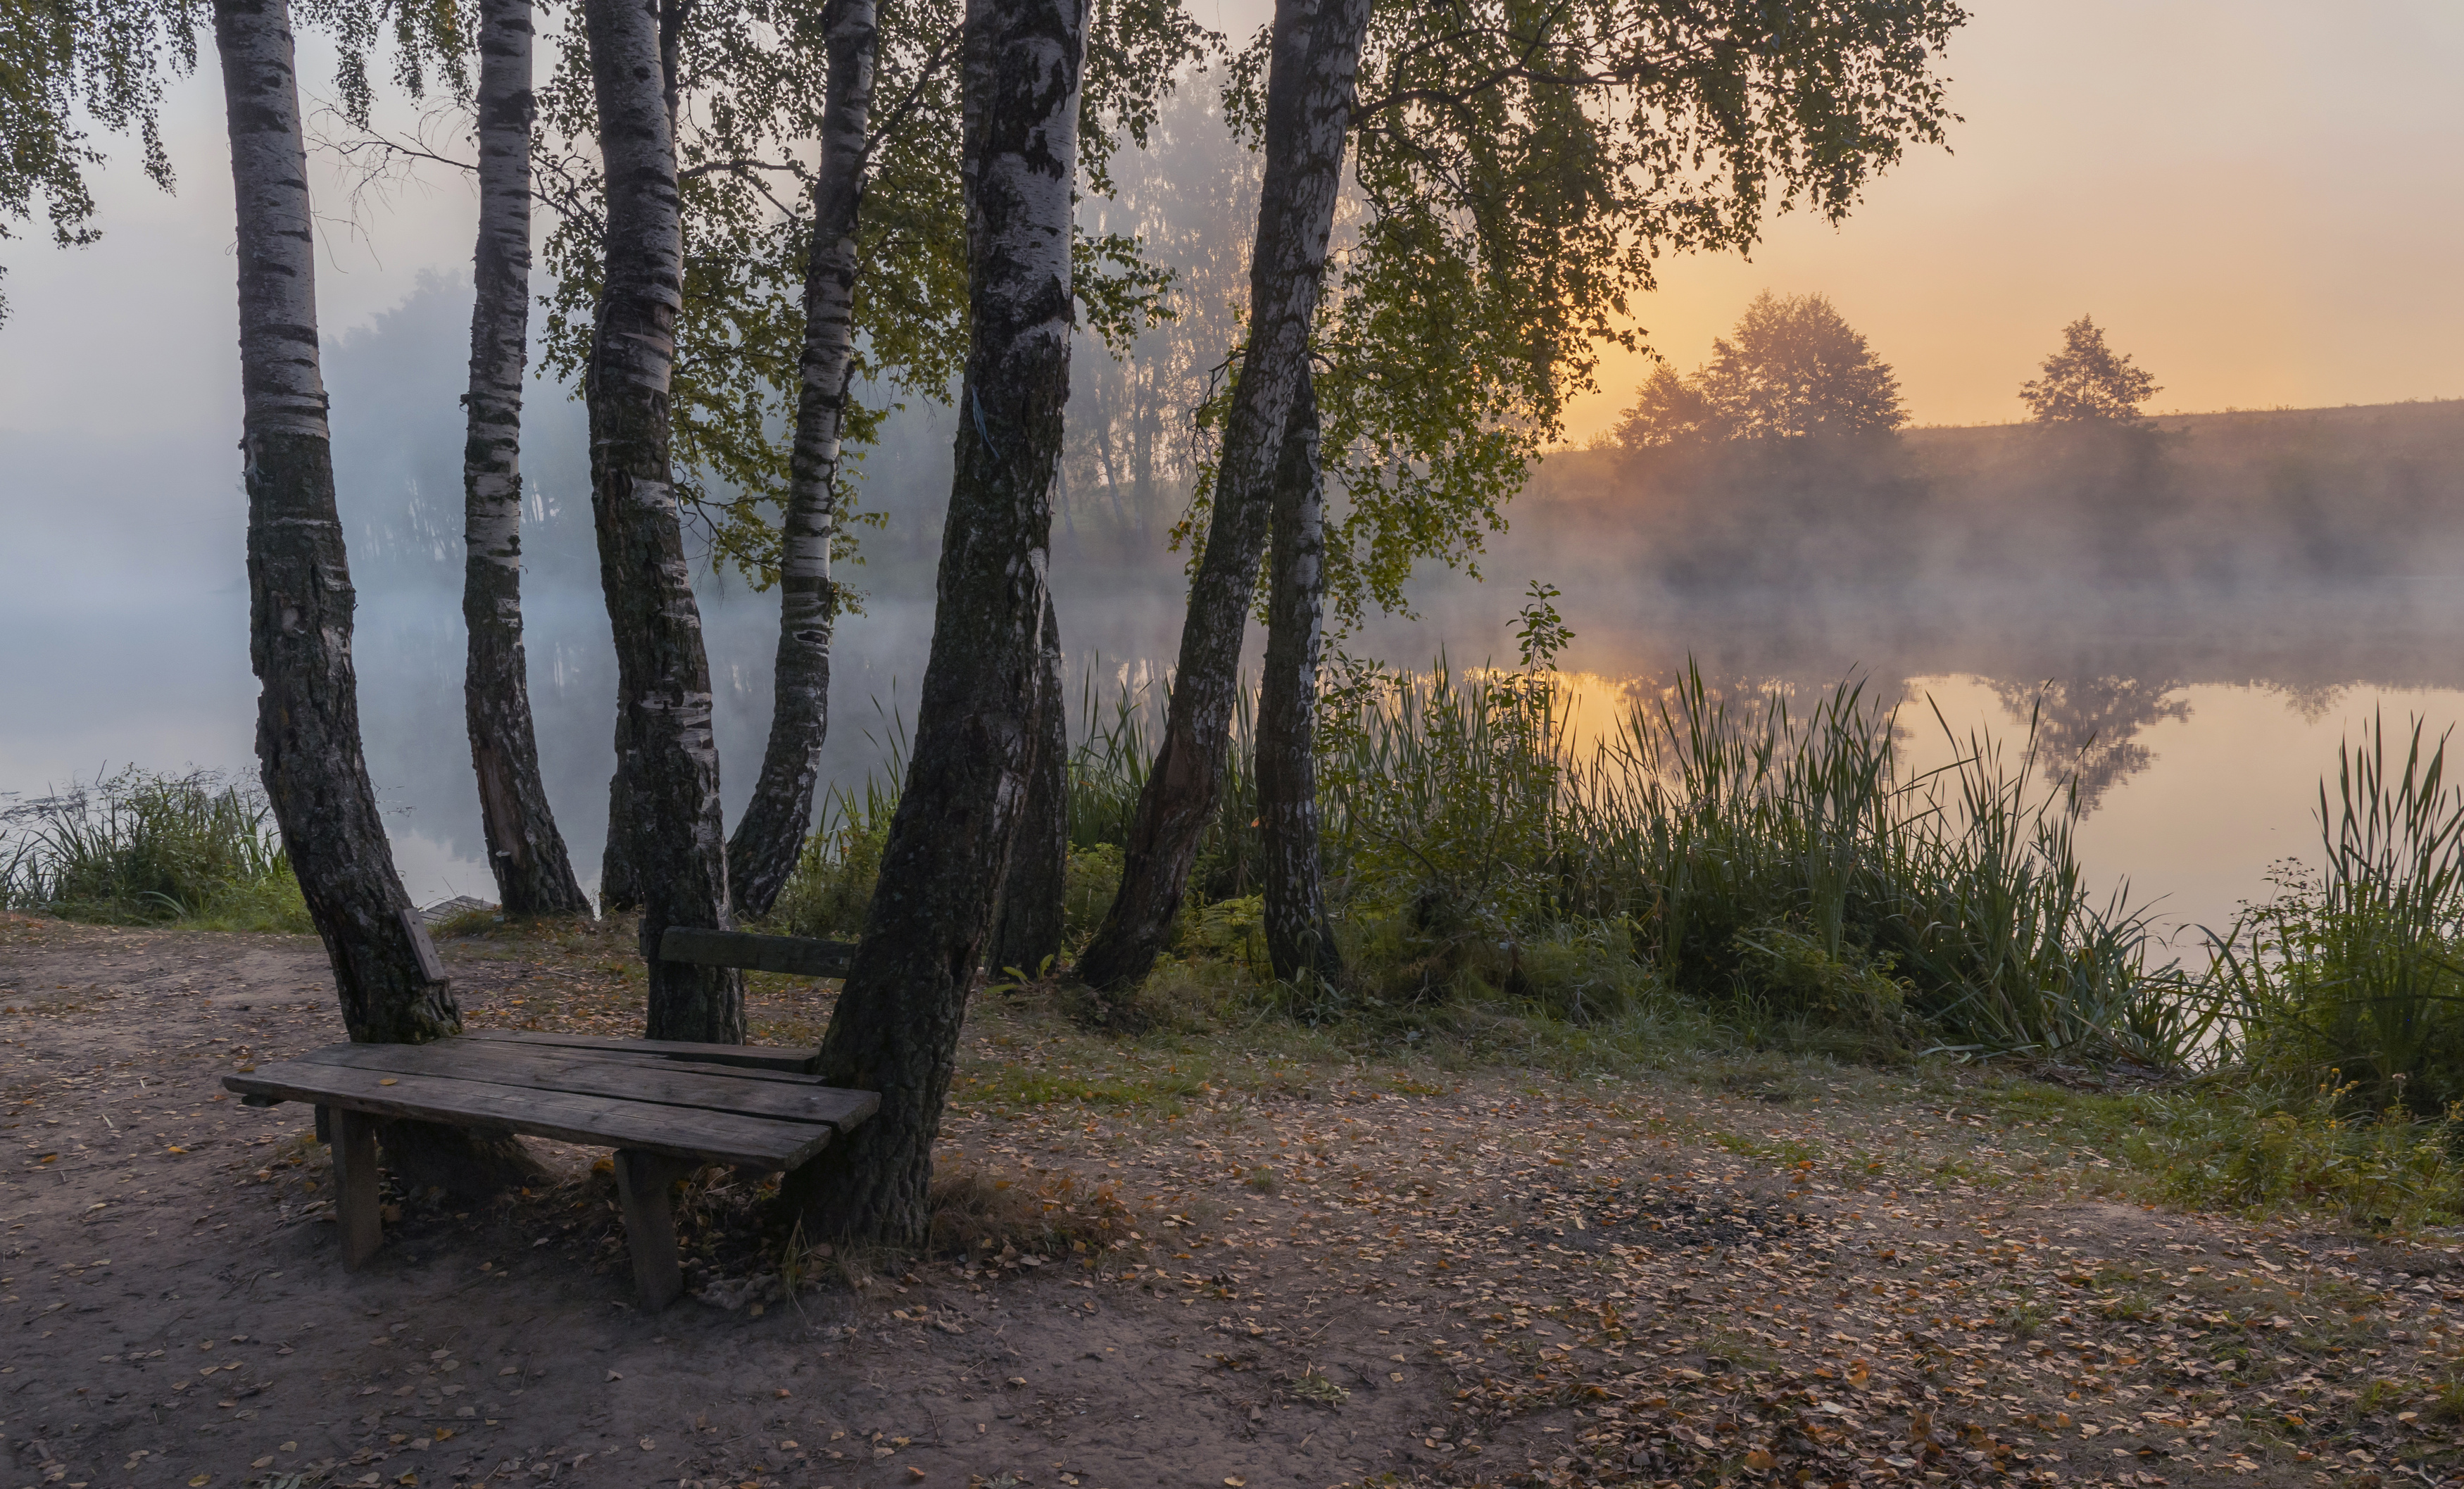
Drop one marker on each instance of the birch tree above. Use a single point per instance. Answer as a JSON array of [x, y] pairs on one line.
[[667, 752], [895, 1027], [1300, 940], [526, 851], [1029, 929], [300, 604], [1314, 58], [818, 310], [770, 835], [1519, 167]]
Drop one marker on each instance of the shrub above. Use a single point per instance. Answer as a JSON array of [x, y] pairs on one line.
[[1088, 882]]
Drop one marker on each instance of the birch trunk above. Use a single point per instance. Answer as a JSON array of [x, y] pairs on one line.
[[1309, 96], [1034, 894], [676, 847], [526, 851], [764, 852], [895, 1028], [1300, 940], [300, 606]]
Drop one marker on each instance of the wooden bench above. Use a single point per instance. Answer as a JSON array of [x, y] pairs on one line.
[[665, 1106]]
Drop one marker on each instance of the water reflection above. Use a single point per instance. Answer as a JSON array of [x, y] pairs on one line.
[[2086, 728]]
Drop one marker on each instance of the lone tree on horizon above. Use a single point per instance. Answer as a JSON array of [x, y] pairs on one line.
[[1794, 368], [2086, 382]]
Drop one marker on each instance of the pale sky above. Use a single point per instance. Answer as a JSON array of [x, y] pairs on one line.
[[2261, 198]]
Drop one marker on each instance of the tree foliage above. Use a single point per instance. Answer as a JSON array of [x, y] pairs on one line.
[[106, 59], [1521, 168], [2086, 382], [1794, 368], [751, 86]]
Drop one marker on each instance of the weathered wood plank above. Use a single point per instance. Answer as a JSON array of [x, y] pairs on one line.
[[355, 1184], [797, 955], [749, 1057], [431, 965], [532, 1067], [759, 1143], [645, 1192], [617, 1055]]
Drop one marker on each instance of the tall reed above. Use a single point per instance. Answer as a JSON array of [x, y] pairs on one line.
[[139, 847], [2354, 974], [1733, 854], [1752, 858]]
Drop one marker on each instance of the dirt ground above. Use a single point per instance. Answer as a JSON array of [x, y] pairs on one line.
[[1334, 1271]]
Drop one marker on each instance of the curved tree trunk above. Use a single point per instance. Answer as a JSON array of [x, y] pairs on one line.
[[300, 601], [771, 835], [1027, 933], [1300, 941], [895, 1028], [676, 847], [525, 852], [1316, 60]]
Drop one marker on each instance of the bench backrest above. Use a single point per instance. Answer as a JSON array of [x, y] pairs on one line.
[[801, 956]]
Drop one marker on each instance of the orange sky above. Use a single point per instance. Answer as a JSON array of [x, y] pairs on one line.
[[2263, 200]]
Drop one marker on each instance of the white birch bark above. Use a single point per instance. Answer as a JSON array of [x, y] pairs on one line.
[[300, 601], [1309, 98], [677, 847], [895, 1027], [525, 852], [763, 851]]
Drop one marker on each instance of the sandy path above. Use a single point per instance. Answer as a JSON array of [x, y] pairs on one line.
[[1342, 1272]]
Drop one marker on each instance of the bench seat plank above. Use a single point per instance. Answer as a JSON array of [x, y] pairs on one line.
[[659, 1083], [750, 1057], [729, 1137]]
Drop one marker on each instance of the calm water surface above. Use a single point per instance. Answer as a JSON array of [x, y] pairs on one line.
[[2201, 746]]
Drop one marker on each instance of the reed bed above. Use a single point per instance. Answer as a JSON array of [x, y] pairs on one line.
[[1790, 867], [2352, 977], [139, 848]]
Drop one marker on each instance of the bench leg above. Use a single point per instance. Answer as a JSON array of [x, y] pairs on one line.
[[645, 1185], [355, 1183]]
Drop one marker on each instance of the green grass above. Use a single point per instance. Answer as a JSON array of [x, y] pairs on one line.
[[1721, 876], [144, 848]]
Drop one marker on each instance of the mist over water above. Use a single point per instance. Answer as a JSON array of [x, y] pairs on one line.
[[2192, 624]]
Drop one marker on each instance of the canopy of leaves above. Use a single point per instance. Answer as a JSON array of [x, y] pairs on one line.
[[751, 83], [106, 59], [2086, 382], [1792, 369], [1522, 164]]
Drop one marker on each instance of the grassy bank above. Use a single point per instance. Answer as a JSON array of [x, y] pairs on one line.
[[142, 849], [1715, 877]]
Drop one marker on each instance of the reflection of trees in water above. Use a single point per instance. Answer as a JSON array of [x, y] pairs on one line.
[[2086, 726], [2311, 702]]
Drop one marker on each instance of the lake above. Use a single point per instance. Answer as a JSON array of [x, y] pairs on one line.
[[2195, 641]]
